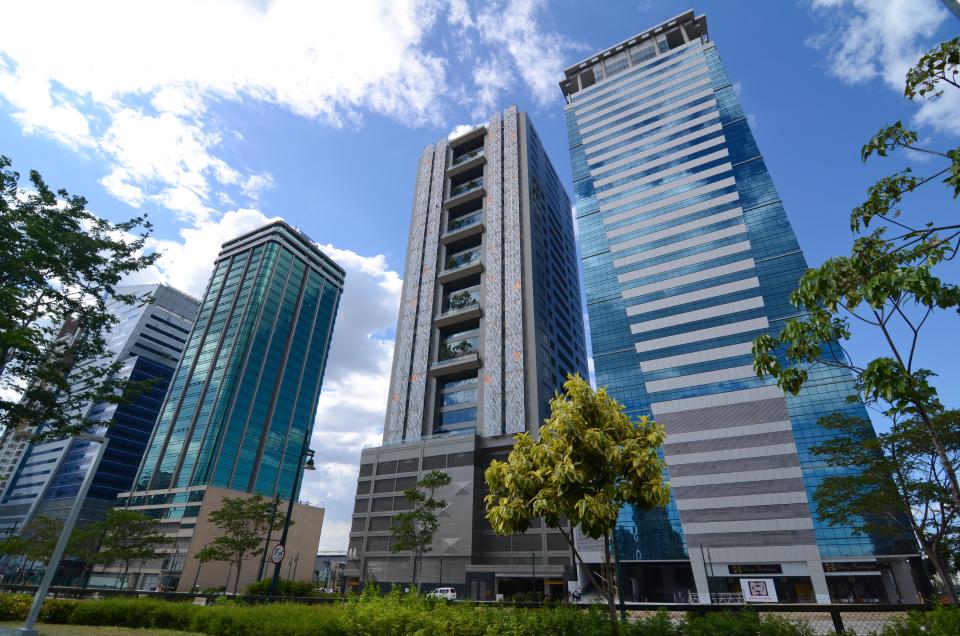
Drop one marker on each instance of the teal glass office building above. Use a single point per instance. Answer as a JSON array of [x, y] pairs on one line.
[[687, 256], [245, 392]]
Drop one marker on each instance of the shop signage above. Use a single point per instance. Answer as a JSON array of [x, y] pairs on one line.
[[758, 590], [755, 568]]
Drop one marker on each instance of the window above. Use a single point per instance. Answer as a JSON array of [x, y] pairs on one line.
[[451, 419], [616, 64], [467, 396]]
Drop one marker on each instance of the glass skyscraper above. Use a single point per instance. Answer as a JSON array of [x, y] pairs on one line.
[[240, 405], [687, 256], [245, 393], [490, 325], [148, 341]]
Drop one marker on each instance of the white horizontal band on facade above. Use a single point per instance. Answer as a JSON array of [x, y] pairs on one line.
[[673, 156], [596, 92], [628, 157], [723, 309], [696, 224], [609, 201], [646, 140], [683, 167], [741, 501], [721, 399], [657, 219], [700, 335], [677, 198], [693, 241], [689, 297], [707, 355], [686, 261], [647, 135], [624, 130], [686, 279], [699, 379], [643, 69], [672, 104], [752, 525], [770, 450], [739, 477], [643, 91], [730, 431]]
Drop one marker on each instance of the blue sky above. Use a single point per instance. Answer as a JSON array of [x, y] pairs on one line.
[[214, 116]]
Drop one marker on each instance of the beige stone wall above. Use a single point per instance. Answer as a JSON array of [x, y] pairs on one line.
[[302, 541]]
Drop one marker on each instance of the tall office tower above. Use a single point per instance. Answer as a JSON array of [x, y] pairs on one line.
[[490, 324], [687, 256], [148, 340], [242, 400]]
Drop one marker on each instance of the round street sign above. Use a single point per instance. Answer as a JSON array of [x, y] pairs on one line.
[[277, 555]]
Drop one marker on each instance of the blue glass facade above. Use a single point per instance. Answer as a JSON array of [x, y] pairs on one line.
[[687, 256], [148, 340], [245, 393]]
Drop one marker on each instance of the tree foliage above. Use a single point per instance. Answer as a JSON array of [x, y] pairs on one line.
[[243, 522], [128, 536], [59, 263], [415, 529], [893, 483], [890, 282], [590, 461], [35, 541]]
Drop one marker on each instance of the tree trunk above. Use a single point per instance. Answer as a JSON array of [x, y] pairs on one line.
[[942, 571], [236, 581], [611, 603]]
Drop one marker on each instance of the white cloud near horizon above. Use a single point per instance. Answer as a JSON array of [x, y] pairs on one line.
[[881, 39]]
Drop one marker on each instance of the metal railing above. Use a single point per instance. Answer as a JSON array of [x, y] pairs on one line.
[[465, 187], [464, 221], [467, 156]]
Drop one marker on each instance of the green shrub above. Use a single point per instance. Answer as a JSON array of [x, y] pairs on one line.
[[57, 611], [659, 625], [941, 621], [14, 607], [284, 588], [134, 612]]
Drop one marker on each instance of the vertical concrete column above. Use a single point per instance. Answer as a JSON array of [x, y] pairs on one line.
[[428, 279], [819, 581], [512, 277], [409, 304], [491, 417]]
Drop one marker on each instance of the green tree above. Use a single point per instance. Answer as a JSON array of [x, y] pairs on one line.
[[128, 536], [84, 546], [415, 529], [244, 523], [887, 484], [59, 264], [35, 541], [590, 461], [889, 283]]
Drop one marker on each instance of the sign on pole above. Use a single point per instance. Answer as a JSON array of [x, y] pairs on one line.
[[277, 555]]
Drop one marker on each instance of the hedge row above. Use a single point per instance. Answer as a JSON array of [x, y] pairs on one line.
[[395, 615]]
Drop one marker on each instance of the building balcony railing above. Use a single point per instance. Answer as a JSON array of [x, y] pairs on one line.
[[463, 258], [464, 188], [463, 299], [464, 221], [458, 349], [467, 156]]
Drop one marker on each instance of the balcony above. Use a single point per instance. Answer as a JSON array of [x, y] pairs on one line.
[[456, 357], [463, 227], [461, 265], [461, 307], [466, 191], [462, 163]]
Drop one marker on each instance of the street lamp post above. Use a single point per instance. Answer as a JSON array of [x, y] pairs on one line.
[[28, 628], [304, 452], [196, 578], [440, 584], [266, 547], [533, 573]]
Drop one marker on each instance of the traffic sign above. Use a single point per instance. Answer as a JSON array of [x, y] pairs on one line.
[[277, 555]]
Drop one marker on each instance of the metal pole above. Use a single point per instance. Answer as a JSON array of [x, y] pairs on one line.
[[199, 565], [533, 573], [440, 584], [293, 495], [28, 625], [619, 577], [296, 562], [266, 547]]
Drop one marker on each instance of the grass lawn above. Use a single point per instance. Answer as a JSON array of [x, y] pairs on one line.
[[85, 630]]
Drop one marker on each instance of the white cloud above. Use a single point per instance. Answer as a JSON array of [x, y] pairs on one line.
[[882, 39], [462, 129], [538, 55]]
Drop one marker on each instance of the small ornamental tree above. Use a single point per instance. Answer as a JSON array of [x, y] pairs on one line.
[[130, 536], [890, 283], [244, 522], [59, 266], [590, 461], [415, 529], [893, 483]]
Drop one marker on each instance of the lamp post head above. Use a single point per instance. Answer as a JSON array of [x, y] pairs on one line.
[[310, 465]]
